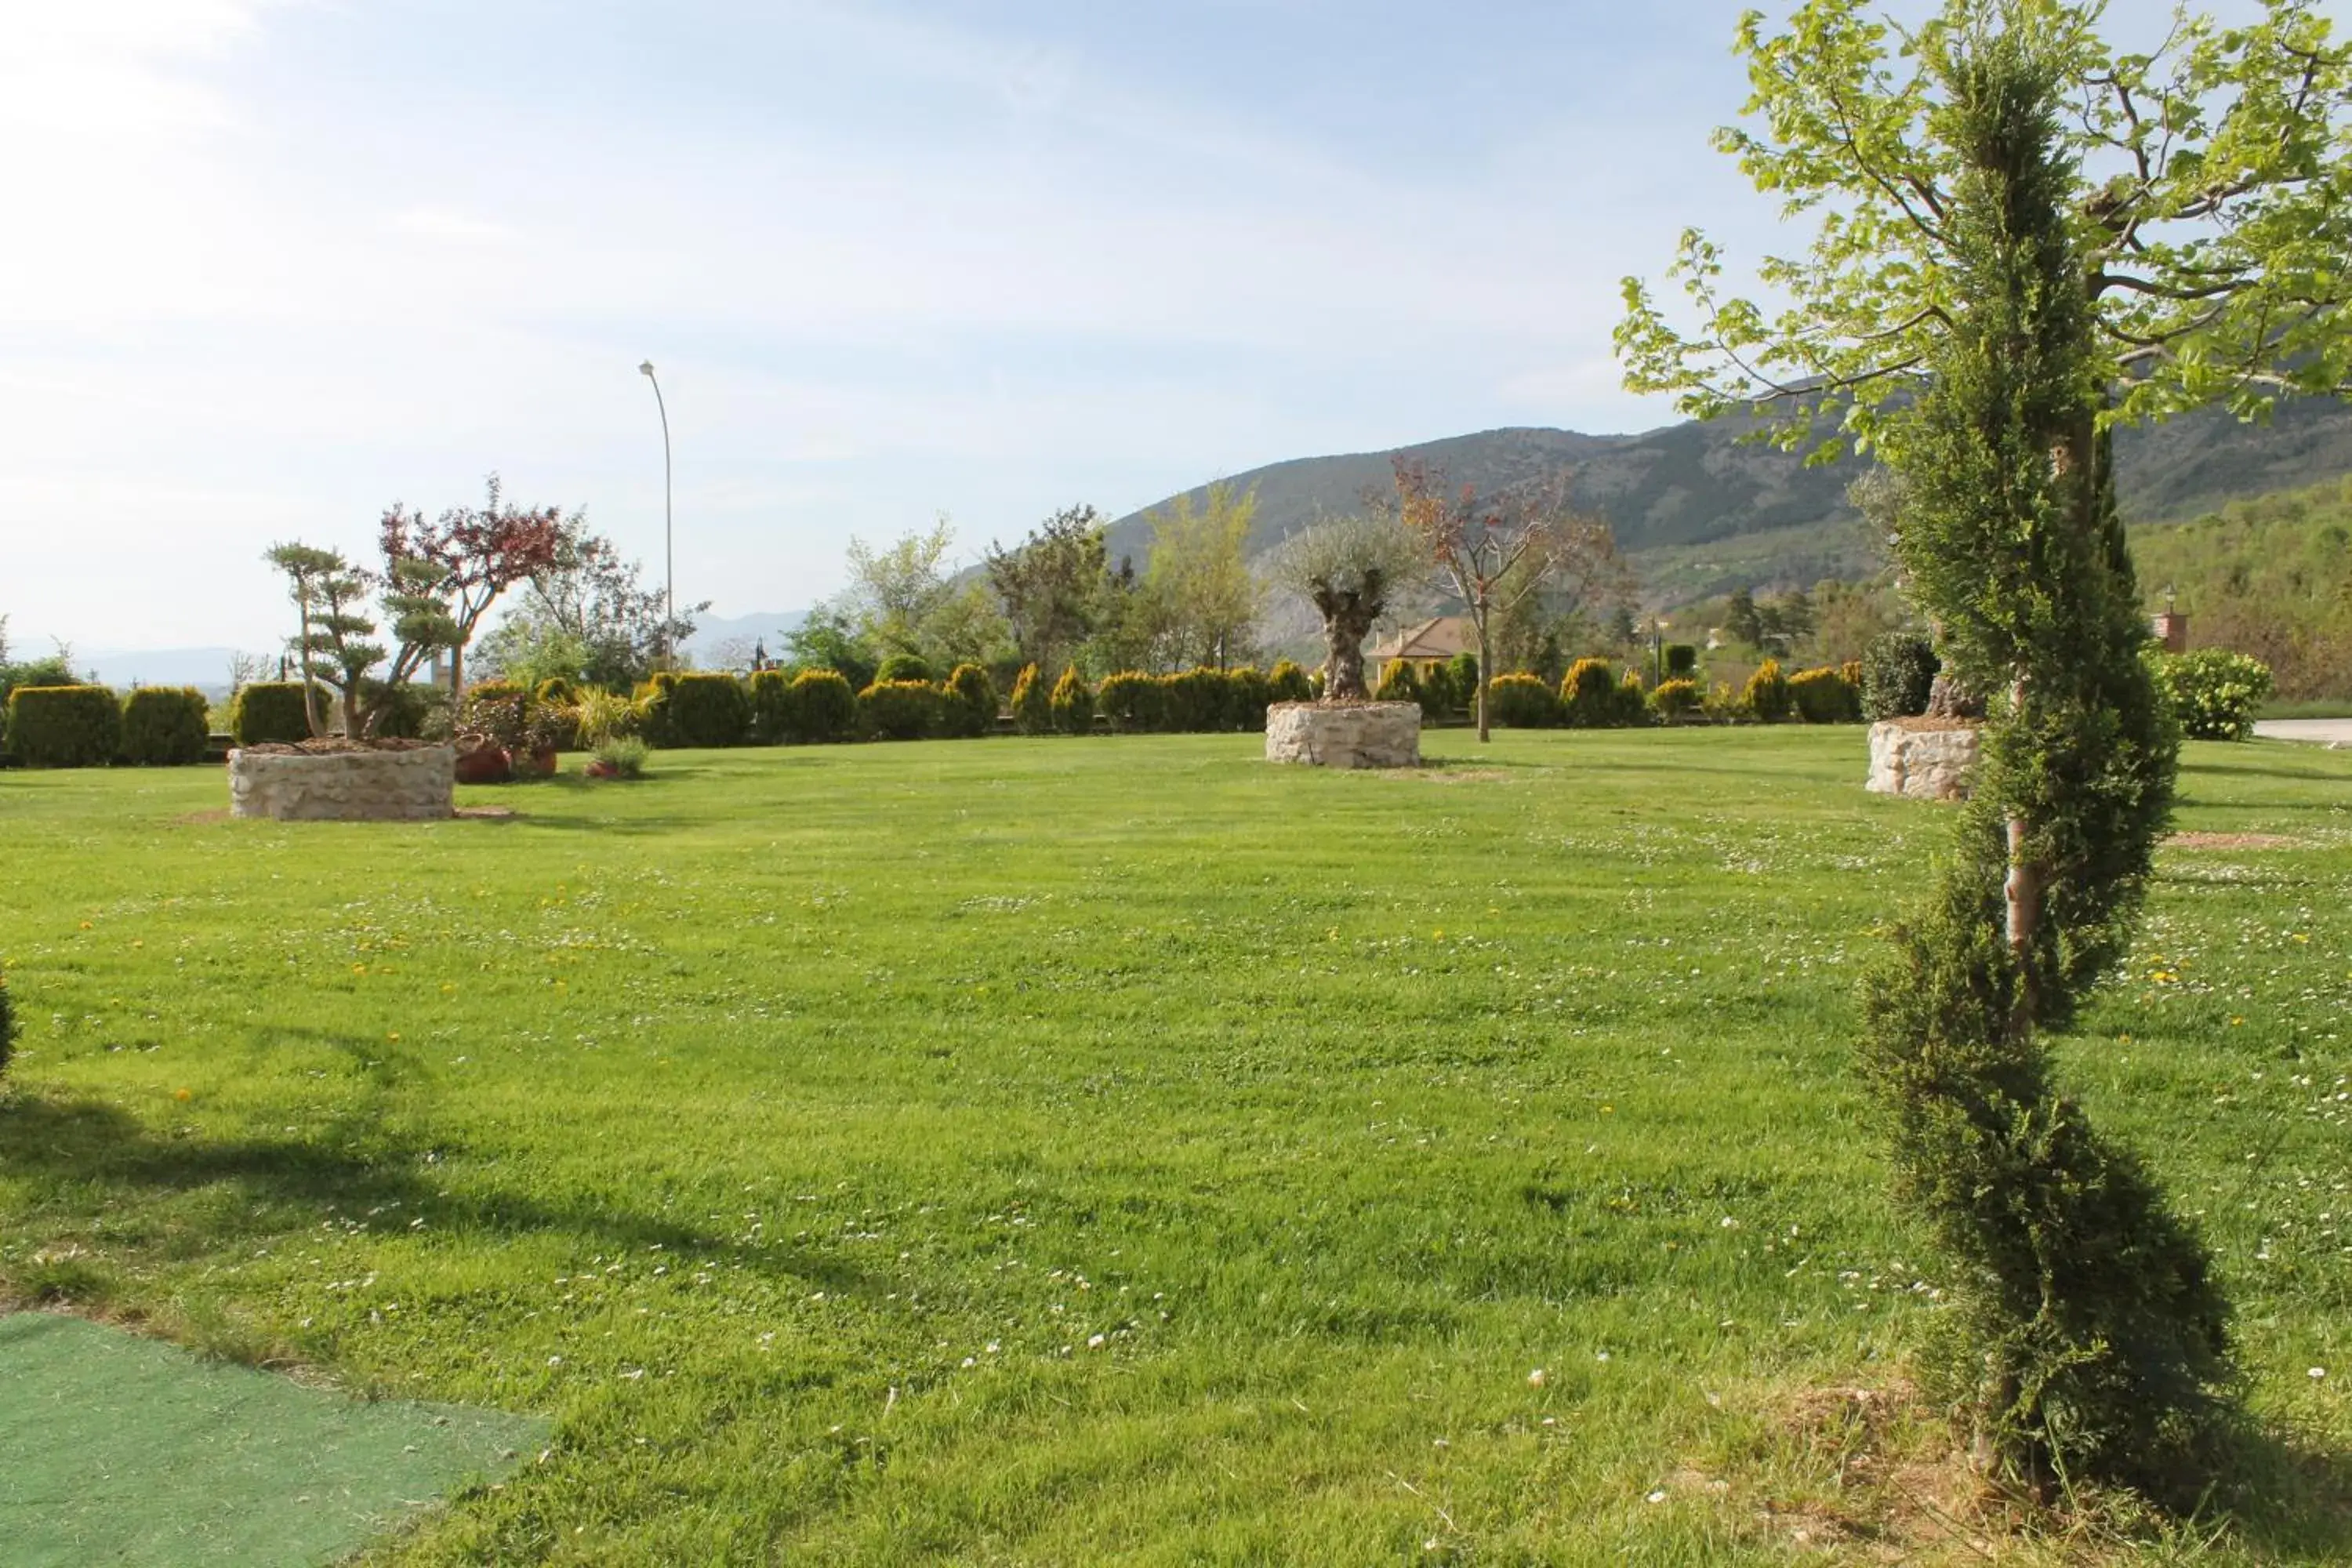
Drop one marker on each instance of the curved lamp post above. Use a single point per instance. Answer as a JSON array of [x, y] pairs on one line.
[[669, 556]]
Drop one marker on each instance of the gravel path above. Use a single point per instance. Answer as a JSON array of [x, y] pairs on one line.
[[2325, 732]]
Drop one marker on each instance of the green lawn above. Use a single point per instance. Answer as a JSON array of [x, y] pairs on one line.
[[1081, 1150]]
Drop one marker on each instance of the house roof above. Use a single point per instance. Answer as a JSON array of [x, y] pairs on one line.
[[1440, 638]]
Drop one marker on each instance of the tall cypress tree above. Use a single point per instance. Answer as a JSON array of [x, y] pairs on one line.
[[2091, 1338]]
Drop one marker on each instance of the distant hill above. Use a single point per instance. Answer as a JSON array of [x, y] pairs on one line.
[[1700, 511], [714, 633]]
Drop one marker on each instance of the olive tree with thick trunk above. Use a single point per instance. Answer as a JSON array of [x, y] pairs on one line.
[[1352, 569]]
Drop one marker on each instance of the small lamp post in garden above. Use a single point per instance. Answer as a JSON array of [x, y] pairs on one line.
[[670, 558]]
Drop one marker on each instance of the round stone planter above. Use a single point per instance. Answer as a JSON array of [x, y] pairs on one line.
[[1344, 734], [414, 784], [1923, 759]]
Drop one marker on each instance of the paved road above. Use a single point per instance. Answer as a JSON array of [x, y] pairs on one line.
[[2325, 732]]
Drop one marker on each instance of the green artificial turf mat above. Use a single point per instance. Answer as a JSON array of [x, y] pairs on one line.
[[116, 1449]]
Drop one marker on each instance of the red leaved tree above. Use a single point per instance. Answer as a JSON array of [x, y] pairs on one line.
[[479, 552]]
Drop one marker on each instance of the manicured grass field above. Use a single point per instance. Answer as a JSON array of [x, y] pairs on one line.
[[1083, 1151]]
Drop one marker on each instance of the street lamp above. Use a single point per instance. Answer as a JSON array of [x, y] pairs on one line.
[[670, 555]]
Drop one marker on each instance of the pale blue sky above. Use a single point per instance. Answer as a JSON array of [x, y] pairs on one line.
[[275, 264]]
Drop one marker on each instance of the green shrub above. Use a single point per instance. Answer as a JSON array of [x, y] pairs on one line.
[[266, 711], [775, 707], [1824, 697], [624, 756], [900, 709], [1438, 697], [1898, 671], [2213, 692], [900, 668], [823, 707], [1252, 694], [65, 726], [8, 1026], [1521, 703], [406, 714], [166, 726], [1398, 683], [494, 691], [1674, 700], [1132, 703], [967, 702], [1288, 683], [501, 716], [1032, 702], [1633, 707], [707, 708], [1197, 701], [1766, 697], [1682, 662], [1072, 704], [1588, 695], [1461, 675], [556, 691]]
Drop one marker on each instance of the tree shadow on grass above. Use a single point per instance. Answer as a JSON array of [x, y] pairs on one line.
[[2288, 1497], [352, 1172]]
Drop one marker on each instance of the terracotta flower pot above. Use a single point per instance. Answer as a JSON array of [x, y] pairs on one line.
[[485, 764]]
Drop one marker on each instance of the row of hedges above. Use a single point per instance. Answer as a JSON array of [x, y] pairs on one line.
[[90, 727], [1593, 696]]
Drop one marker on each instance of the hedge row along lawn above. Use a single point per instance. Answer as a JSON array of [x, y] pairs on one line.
[[1062, 1152]]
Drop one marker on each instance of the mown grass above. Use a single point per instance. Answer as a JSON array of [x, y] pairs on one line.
[[1084, 1151]]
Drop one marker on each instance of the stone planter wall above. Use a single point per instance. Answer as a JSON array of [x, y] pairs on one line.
[[1922, 763], [417, 785], [1344, 736]]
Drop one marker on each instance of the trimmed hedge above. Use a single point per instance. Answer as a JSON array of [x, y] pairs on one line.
[[1674, 700], [65, 726], [1898, 670], [1682, 661], [166, 726], [1032, 702], [900, 668], [1250, 694], [269, 711], [2213, 692], [775, 706], [1590, 696], [1072, 704], [1767, 698], [1196, 700], [1521, 703], [1288, 683], [967, 702], [1399, 683], [1825, 695], [1132, 703], [708, 708], [824, 707], [900, 709]]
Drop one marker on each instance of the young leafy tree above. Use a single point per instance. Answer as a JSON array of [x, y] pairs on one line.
[[895, 592], [1051, 585], [1350, 569], [2023, 234], [587, 614], [1199, 571], [477, 555]]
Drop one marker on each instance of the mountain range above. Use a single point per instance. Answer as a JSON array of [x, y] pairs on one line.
[[1700, 508]]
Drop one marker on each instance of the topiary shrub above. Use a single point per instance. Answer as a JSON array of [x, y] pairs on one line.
[[65, 726], [707, 709], [903, 666], [1252, 694], [1032, 702], [1399, 683], [1588, 695], [1633, 709], [1522, 702], [1682, 661], [1824, 697], [900, 709], [1462, 674], [1288, 683], [1898, 671], [2213, 692], [1072, 704], [265, 712], [1766, 697], [1438, 697], [775, 706], [1132, 703], [1674, 700], [823, 707], [1197, 701], [967, 702], [166, 726]]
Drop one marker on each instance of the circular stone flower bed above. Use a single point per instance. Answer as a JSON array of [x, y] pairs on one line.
[[343, 781], [1344, 734], [1924, 758]]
